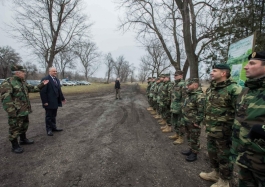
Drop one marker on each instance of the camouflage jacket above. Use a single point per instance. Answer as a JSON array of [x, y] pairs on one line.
[[15, 96], [148, 88], [165, 93], [152, 89], [193, 107], [246, 151], [220, 104], [177, 91], [159, 92]]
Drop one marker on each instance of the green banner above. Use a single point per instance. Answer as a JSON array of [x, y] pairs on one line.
[[238, 57]]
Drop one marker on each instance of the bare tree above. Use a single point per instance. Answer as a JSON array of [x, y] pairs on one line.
[[122, 68], [65, 59], [109, 62], [144, 71], [8, 57], [89, 56], [48, 26], [32, 70]]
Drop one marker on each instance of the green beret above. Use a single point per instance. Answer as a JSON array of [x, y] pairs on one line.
[[153, 77], [221, 66], [192, 80], [167, 75], [17, 68], [149, 78], [178, 72], [257, 55], [162, 75]]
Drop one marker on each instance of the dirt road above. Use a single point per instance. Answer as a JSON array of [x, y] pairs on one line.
[[105, 143]]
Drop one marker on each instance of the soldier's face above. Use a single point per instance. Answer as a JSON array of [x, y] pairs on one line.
[[53, 72], [21, 74], [254, 69], [166, 79], [177, 77], [193, 86], [217, 74]]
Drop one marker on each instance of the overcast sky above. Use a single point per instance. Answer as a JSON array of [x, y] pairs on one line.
[[104, 14]]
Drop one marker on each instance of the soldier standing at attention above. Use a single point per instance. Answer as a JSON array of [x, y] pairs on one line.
[[158, 99], [220, 105], [15, 99], [248, 140], [149, 82], [193, 113], [154, 91], [166, 103], [177, 97]]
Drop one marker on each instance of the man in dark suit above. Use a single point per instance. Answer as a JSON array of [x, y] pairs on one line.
[[117, 87], [52, 98]]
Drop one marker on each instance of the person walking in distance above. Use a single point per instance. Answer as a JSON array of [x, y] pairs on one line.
[[15, 98], [117, 87], [52, 98]]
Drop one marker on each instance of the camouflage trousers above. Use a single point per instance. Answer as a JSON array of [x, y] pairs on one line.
[[17, 126], [248, 178], [154, 105], [193, 137], [178, 123], [219, 152], [150, 101], [166, 114]]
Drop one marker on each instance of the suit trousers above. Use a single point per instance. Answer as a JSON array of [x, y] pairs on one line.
[[50, 119]]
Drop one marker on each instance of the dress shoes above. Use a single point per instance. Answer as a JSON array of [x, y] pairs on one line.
[[57, 130], [49, 133], [192, 157]]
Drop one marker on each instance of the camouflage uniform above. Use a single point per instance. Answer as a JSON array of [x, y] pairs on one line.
[[165, 101], [148, 91], [15, 99], [248, 138], [152, 95], [159, 96], [193, 113], [177, 98], [219, 116]]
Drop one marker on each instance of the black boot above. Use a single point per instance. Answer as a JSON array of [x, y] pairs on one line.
[[187, 152], [15, 147], [192, 157], [24, 140]]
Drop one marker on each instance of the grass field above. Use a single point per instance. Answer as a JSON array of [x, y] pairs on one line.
[[69, 90]]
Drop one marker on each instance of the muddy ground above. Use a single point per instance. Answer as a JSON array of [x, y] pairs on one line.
[[105, 143]]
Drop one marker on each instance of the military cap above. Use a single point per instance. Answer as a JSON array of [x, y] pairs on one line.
[[167, 75], [221, 66], [257, 55], [149, 78], [192, 80], [178, 72], [162, 75], [17, 68], [153, 77]]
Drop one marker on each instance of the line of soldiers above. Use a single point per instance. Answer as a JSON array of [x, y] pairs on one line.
[[233, 118]]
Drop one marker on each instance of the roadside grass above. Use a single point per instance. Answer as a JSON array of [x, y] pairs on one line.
[[80, 89], [142, 87]]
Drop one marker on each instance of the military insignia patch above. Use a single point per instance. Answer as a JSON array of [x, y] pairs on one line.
[[253, 55]]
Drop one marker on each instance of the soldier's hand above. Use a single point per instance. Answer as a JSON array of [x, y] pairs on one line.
[[45, 82], [45, 104]]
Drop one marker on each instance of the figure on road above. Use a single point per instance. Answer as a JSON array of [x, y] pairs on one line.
[[117, 87]]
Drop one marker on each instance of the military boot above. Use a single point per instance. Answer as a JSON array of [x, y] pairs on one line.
[[152, 112], [186, 152], [192, 157], [167, 129], [212, 176], [15, 147], [163, 122], [156, 116], [174, 137], [24, 140], [180, 140], [221, 183], [150, 108], [163, 127]]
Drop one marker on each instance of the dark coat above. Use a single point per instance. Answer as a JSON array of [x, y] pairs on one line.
[[117, 84], [51, 94]]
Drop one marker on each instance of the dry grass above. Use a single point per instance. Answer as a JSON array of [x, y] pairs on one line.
[[81, 89]]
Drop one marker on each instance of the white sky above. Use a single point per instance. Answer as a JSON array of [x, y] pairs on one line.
[[104, 14]]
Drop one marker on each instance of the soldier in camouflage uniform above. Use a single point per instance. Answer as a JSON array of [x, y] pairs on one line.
[[165, 103], [177, 98], [248, 140], [154, 90], [158, 98], [193, 113], [219, 116], [149, 84], [15, 99]]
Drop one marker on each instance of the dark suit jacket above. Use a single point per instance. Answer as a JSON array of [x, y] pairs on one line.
[[51, 94]]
